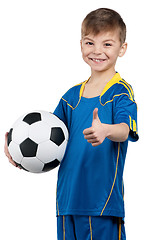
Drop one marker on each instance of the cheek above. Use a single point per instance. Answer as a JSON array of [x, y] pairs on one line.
[[113, 55], [85, 54]]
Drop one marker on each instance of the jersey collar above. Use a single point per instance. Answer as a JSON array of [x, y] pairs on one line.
[[115, 79]]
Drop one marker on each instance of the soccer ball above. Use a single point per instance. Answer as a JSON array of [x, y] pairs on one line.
[[37, 141]]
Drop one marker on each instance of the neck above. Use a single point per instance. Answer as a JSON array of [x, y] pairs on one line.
[[105, 76]]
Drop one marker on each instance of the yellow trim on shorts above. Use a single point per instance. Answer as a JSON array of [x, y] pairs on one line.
[[90, 226], [119, 228], [63, 227]]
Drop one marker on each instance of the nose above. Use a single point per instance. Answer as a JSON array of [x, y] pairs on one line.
[[97, 50]]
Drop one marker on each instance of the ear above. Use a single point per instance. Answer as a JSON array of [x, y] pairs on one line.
[[81, 44], [123, 49]]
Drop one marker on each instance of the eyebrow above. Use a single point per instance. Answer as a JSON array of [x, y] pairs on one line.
[[89, 39], [109, 40]]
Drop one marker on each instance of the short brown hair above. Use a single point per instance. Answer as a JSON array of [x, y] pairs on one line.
[[101, 20]]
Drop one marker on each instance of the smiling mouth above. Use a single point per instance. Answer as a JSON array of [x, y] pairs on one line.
[[97, 60]]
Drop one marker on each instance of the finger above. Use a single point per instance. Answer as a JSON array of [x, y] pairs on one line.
[[12, 162], [89, 136], [95, 144], [6, 147], [92, 140], [19, 167], [6, 139], [8, 155], [7, 152], [95, 114], [88, 131], [6, 136]]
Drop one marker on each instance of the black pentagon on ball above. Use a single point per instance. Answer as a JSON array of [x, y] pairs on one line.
[[49, 166], [57, 136], [9, 139], [32, 118], [28, 148]]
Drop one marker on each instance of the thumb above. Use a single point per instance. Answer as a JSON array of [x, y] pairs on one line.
[[95, 114]]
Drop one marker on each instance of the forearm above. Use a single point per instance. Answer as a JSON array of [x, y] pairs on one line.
[[116, 132]]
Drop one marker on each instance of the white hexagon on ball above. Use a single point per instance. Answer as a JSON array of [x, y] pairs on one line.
[[39, 132], [47, 151], [20, 132], [33, 163], [15, 152]]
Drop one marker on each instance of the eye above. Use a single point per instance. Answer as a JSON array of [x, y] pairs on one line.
[[89, 43], [107, 44]]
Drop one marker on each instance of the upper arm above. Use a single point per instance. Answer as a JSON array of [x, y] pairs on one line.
[[125, 111]]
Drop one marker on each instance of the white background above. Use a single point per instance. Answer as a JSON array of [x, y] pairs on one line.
[[40, 60]]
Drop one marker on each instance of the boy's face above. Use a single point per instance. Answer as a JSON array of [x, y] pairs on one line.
[[100, 52]]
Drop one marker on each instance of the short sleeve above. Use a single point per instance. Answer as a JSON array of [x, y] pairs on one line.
[[61, 110], [125, 111]]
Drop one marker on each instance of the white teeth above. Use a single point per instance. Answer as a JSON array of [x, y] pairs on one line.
[[97, 60]]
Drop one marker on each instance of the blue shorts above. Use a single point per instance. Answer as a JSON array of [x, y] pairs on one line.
[[90, 228]]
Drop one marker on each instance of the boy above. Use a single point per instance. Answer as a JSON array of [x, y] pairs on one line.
[[101, 115]]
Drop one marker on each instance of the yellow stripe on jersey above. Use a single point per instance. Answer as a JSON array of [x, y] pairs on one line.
[[82, 88], [134, 126], [128, 85], [130, 122], [130, 94], [113, 181], [67, 103], [103, 104], [114, 80]]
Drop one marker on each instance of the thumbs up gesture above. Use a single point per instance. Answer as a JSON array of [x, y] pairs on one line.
[[96, 133]]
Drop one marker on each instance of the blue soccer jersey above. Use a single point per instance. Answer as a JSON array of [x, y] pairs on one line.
[[90, 179]]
